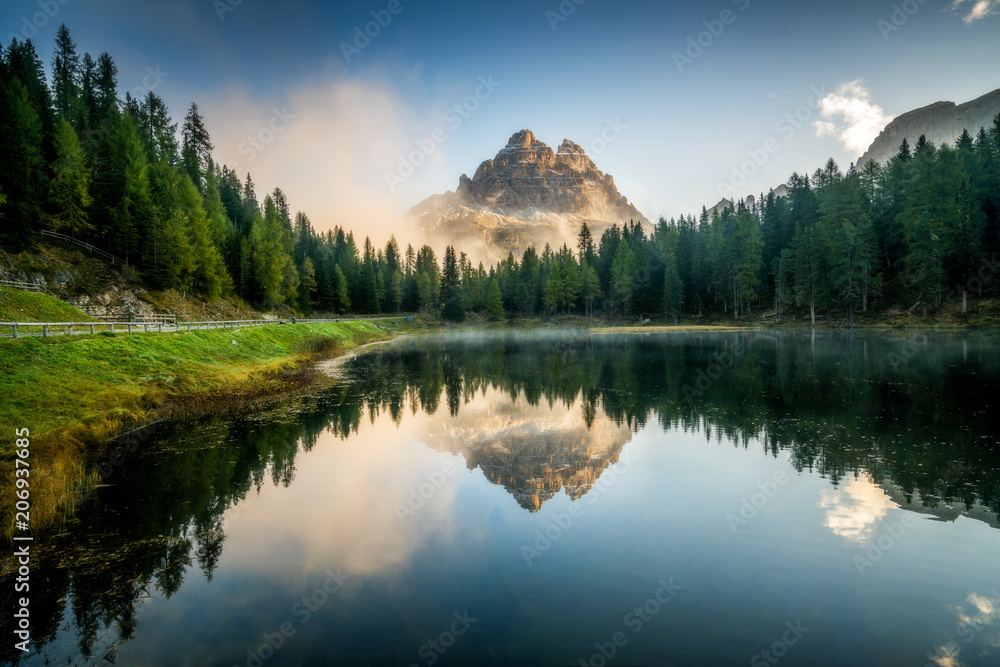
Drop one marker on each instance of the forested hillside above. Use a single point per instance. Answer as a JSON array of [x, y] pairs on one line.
[[123, 175]]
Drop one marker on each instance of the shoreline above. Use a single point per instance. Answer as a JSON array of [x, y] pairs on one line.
[[78, 396], [333, 368], [118, 384]]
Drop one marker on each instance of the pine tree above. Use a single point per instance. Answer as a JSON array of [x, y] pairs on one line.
[[121, 187], [158, 130], [555, 288], [206, 274], [88, 78], [623, 277], [572, 284], [196, 150], [396, 289], [69, 192], [106, 87], [932, 209], [585, 245], [904, 154], [22, 169], [494, 301], [425, 292], [590, 288], [748, 260], [341, 293], [668, 238], [451, 296], [66, 76]]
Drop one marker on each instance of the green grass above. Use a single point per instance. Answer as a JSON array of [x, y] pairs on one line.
[[53, 383], [20, 306], [75, 392]]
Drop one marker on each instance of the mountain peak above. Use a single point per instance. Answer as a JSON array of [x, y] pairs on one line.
[[940, 122], [530, 195], [568, 146], [523, 139]]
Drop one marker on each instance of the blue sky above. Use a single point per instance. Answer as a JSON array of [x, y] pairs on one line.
[[332, 129]]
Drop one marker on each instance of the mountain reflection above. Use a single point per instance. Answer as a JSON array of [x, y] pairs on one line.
[[533, 451], [539, 415]]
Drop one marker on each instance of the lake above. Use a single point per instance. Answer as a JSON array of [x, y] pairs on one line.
[[559, 498]]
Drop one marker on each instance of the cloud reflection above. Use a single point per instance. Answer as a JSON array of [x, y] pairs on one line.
[[351, 489], [853, 511]]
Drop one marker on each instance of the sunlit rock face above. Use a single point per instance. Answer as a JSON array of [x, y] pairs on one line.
[[527, 195], [534, 452]]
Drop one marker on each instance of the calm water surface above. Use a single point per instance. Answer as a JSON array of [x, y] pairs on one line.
[[560, 499]]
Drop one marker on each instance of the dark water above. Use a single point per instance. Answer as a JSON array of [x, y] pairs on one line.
[[674, 499]]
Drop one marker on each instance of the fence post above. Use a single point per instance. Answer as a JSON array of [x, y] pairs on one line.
[[161, 327], [69, 329], [15, 330], [45, 331], [112, 326], [91, 328], [145, 327], [130, 327]]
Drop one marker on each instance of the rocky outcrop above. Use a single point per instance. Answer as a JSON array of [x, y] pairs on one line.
[[941, 123], [527, 194]]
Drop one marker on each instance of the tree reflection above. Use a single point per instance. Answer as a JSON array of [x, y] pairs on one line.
[[839, 405]]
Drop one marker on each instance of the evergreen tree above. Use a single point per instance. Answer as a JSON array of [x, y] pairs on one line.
[[494, 301], [585, 245], [66, 76], [69, 193], [22, 170], [904, 154], [342, 298], [105, 88], [196, 150], [555, 288], [572, 284], [396, 289], [450, 292], [590, 288], [623, 271], [668, 238]]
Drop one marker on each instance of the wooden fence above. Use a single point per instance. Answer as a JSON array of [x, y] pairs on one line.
[[27, 287], [94, 250]]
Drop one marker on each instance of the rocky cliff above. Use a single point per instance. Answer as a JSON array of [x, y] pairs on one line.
[[941, 123], [527, 195]]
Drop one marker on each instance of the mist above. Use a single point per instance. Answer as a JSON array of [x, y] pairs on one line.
[[326, 144]]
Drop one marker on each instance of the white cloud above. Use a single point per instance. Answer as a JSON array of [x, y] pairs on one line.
[[980, 9], [850, 115]]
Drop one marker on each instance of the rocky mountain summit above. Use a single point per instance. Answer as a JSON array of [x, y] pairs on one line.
[[527, 195], [941, 123]]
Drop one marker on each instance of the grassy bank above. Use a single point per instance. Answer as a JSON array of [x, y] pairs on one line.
[[20, 306], [74, 393]]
